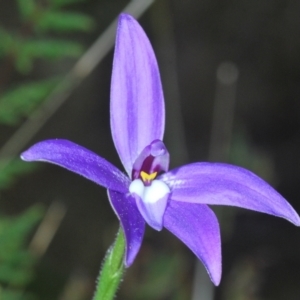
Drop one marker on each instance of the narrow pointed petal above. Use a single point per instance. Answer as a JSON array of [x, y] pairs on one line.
[[137, 106], [132, 223], [78, 160], [222, 184], [197, 226]]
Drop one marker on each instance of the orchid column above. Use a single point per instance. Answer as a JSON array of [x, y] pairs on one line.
[[150, 193]]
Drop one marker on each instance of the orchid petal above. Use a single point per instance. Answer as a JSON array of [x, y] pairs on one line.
[[197, 226], [151, 201], [78, 160], [137, 111], [222, 184], [131, 221]]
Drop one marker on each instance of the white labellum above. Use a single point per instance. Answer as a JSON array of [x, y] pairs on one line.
[[151, 200]]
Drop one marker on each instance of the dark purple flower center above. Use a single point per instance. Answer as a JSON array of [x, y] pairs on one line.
[[153, 160]]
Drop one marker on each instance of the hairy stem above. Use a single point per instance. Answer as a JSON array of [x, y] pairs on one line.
[[112, 270]]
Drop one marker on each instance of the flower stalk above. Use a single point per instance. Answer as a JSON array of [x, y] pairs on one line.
[[112, 270]]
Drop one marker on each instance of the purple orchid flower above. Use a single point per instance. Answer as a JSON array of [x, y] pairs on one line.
[[176, 199]]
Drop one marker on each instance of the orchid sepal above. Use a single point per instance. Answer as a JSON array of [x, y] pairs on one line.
[[132, 223], [224, 184], [137, 111], [79, 160], [197, 226]]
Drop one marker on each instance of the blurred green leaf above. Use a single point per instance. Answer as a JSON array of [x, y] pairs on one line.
[[15, 263], [20, 101], [26, 8], [6, 42], [8, 294], [14, 230], [64, 21], [47, 49], [21, 258], [60, 3], [160, 274], [14, 275], [9, 172], [245, 154]]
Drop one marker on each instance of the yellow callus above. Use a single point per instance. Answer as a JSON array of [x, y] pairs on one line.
[[148, 177]]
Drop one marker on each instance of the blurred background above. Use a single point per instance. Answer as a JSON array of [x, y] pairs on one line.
[[230, 72]]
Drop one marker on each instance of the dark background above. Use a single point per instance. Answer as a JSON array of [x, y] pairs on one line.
[[261, 254]]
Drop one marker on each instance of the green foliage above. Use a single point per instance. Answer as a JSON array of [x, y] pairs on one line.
[[243, 153], [27, 8], [20, 101], [46, 49], [160, 273], [112, 270], [51, 49], [64, 21], [16, 264], [61, 3], [8, 172], [18, 52], [14, 295], [38, 18], [6, 42]]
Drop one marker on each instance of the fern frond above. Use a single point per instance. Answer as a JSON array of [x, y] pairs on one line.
[[21, 100], [46, 49], [26, 8], [6, 42], [8, 172], [16, 263], [64, 22], [61, 3]]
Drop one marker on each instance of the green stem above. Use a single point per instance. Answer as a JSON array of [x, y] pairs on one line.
[[112, 270]]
